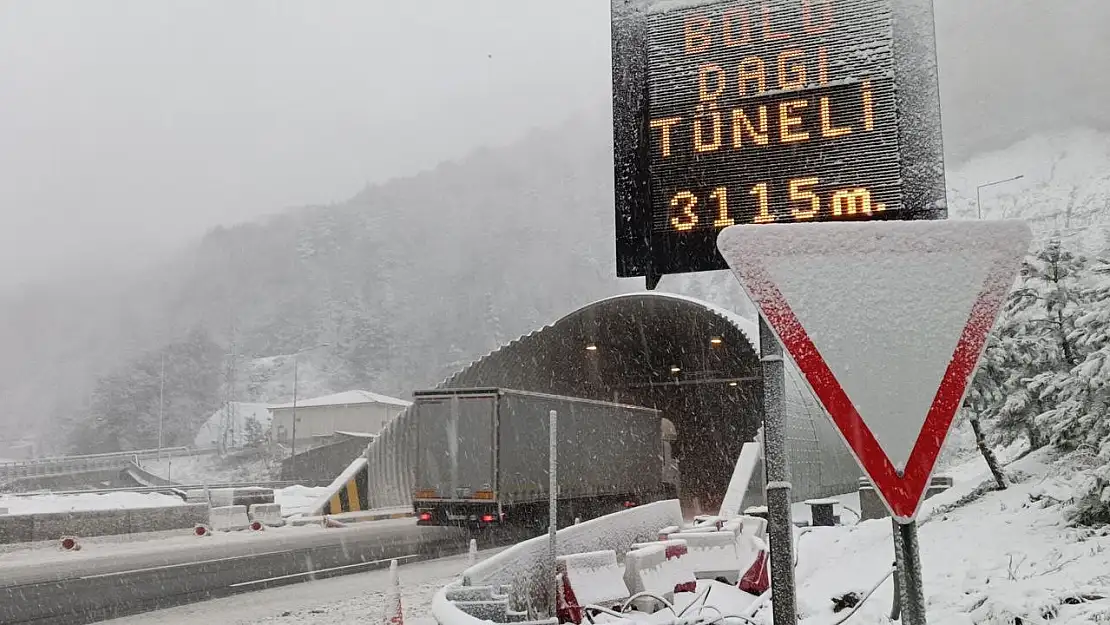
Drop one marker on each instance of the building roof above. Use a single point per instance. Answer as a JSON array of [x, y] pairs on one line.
[[346, 398]]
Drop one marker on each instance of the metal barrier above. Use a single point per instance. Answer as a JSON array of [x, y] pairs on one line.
[[91, 462]]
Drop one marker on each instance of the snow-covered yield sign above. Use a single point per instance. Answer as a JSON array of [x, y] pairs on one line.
[[886, 321]]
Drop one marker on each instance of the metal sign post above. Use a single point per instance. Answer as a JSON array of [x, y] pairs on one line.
[[780, 525], [912, 591], [553, 508]]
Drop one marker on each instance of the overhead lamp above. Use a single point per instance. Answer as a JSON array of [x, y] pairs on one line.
[[716, 340], [675, 369], [591, 347]]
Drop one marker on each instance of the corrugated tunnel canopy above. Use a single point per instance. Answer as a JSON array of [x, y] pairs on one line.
[[696, 363]]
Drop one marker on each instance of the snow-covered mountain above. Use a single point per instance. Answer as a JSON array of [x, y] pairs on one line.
[[412, 279], [1065, 188]]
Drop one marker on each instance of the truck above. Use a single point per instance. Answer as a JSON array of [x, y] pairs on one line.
[[482, 457]]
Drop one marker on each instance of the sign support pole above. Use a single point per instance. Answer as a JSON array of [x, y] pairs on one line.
[[896, 606], [913, 593], [552, 507], [780, 524]]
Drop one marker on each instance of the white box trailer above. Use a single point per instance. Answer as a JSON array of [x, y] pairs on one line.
[[482, 457]]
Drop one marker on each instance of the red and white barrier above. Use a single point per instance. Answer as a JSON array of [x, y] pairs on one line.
[[69, 543], [713, 555], [592, 578], [201, 529], [678, 568]]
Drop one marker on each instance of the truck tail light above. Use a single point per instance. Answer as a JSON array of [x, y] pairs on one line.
[[487, 518], [630, 504], [425, 516]]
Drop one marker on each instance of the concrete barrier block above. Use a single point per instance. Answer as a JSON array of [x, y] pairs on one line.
[[167, 517], [267, 514], [228, 518], [17, 528], [55, 525], [870, 506]]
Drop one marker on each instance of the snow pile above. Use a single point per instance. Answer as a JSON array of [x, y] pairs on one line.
[[39, 504], [988, 558], [298, 499]]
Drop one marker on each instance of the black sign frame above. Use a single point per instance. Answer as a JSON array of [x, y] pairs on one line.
[[645, 249]]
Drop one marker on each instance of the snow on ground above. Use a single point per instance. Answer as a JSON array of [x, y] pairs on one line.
[[33, 504], [211, 469], [997, 558], [349, 599], [298, 499]]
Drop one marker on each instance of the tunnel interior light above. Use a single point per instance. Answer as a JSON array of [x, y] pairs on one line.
[[591, 347], [716, 340], [675, 369], [732, 383]]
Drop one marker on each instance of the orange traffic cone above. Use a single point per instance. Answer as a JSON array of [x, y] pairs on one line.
[[392, 612]]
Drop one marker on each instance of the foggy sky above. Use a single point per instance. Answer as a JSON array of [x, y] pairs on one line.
[[130, 126]]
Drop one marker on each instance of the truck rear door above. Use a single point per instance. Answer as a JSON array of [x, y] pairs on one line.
[[455, 440]]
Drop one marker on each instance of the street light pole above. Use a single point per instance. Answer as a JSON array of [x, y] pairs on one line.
[[978, 194], [161, 402], [293, 457]]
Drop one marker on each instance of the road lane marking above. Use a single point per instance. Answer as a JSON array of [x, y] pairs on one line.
[[318, 571], [181, 564]]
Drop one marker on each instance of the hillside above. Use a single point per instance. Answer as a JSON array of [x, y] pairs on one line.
[[408, 281]]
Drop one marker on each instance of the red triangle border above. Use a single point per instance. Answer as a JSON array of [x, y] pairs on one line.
[[902, 494]]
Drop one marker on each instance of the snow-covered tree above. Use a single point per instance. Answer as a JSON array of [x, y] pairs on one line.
[[1038, 342]]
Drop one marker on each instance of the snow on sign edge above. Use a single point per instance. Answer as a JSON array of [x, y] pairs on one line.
[[750, 249]]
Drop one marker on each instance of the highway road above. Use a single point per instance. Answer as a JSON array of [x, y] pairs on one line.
[[74, 591]]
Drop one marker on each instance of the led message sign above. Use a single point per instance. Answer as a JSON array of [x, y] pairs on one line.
[[758, 111]]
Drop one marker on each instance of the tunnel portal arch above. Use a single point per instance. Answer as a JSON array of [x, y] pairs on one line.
[[697, 363]]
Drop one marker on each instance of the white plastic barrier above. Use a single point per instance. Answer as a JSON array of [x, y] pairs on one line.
[[268, 514], [594, 577], [446, 612], [677, 566], [519, 565], [228, 518], [713, 555], [754, 526], [645, 571]]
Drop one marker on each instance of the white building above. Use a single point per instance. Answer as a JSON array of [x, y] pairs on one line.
[[356, 411]]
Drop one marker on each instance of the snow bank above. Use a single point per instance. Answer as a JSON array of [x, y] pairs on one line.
[[298, 499], [1004, 557], [38, 504]]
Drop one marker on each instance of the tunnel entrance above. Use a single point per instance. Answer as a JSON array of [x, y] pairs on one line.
[[696, 364]]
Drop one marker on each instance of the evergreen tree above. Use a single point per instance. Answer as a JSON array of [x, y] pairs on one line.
[[1039, 342]]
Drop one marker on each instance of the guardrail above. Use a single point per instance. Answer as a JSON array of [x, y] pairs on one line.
[[91, 462], [160, 489]]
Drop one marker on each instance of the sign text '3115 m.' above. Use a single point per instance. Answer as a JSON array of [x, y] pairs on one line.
[[771, 112]]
